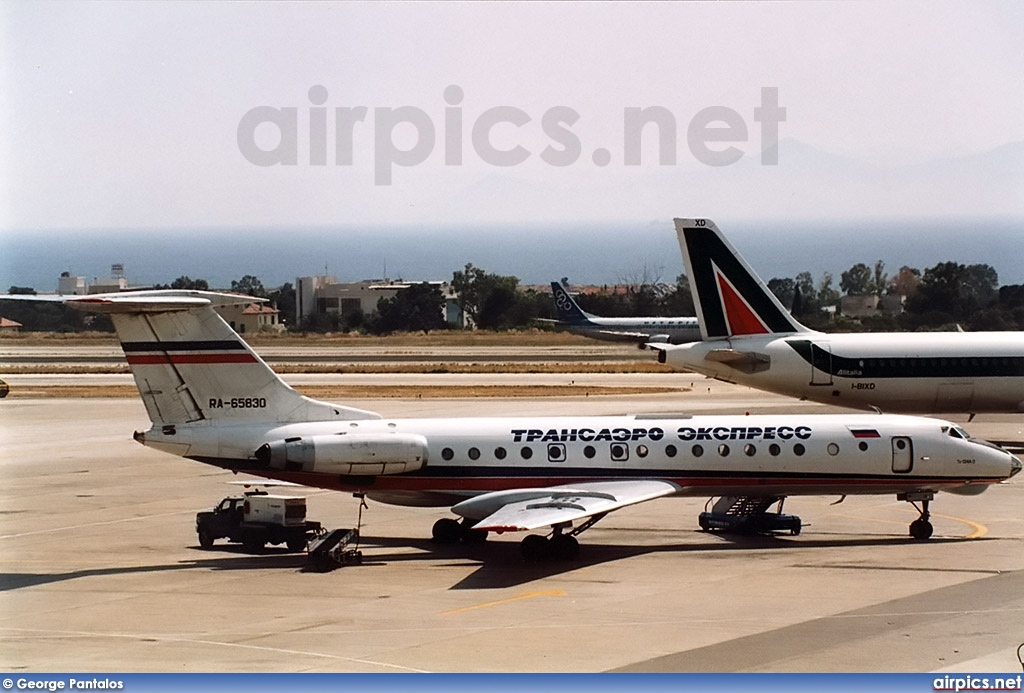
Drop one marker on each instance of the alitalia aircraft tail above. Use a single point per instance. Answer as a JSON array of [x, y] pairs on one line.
[[731, 300], [190, 366]]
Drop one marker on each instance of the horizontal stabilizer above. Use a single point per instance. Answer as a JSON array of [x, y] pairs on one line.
[[744, 361], [155, 301], [160, 301], [526, 509]]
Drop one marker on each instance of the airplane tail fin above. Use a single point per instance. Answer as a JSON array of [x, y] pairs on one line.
[[568, 310], [190, 366], [731, 300]]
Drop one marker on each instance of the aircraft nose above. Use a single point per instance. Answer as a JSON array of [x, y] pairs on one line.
[[1015, 466]]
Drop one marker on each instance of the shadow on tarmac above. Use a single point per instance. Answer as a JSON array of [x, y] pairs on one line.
[[498, 563]]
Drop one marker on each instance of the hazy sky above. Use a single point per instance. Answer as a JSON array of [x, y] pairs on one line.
[[128, 114]]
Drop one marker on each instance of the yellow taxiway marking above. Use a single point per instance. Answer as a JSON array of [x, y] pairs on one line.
[[528, 595], [980, 530]]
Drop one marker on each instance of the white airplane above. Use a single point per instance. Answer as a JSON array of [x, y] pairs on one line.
[[212, 399], [750, 339], [639, 330]]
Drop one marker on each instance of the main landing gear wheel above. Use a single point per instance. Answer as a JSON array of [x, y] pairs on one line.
[[560, 547], [449, 531], [534, 548]]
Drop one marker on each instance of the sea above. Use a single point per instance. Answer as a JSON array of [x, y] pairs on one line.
[[600, 253]]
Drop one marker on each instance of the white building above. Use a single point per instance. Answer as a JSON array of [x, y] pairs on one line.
[[324, 295], [71, 286]]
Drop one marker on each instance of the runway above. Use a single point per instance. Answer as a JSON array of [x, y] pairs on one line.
[[102, 571]]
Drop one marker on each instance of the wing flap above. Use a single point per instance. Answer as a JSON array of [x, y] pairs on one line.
[[533, 508]]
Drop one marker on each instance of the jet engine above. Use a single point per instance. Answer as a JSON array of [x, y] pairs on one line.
[[347, 454]]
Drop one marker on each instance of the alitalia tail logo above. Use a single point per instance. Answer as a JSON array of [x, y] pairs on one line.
[[738, 313]]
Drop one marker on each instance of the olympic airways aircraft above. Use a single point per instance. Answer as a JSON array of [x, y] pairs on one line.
[[750, 339], [639, 330], [212, 399]]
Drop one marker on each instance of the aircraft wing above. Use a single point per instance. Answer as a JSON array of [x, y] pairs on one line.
[[624, 333], [532, 508]]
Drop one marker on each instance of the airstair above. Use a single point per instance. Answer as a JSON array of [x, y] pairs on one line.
[[748, 515]]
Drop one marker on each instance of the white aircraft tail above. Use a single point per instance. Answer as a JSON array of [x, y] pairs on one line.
[[731, 300], [189, 365]]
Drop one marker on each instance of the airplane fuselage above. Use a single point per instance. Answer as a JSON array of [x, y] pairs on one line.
[[441, 461], [660, 330], [922, 373]]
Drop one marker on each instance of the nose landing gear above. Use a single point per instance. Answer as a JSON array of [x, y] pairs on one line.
[[920, 528]]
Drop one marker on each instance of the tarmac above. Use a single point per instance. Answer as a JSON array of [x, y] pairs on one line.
[[100, 570]]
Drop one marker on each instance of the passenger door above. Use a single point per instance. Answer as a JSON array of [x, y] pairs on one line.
[[902, 454], [821, 364]]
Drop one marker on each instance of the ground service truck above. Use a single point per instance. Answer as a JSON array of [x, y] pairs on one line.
[[257, 519]]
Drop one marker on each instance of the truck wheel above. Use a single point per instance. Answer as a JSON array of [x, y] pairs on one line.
[[205, 539]]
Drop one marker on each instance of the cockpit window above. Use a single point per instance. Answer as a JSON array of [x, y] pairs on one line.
[[957, 432]]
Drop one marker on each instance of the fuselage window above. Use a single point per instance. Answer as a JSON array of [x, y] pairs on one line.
[[697, 450], [641, 451], [863, 446], [500, 453], [556, 452], [774, 449], [799, 449], [589, 452], [620, 452], [447, 454], [749, 449], [670, 451], [833, 449], [474, 454], [723, 450], [526, 453]]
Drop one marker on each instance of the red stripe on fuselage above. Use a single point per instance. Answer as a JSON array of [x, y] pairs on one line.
[[461, 484], [183, 359]]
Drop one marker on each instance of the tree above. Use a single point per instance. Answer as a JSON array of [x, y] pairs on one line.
[[51, 317], [250, 286], [905, 282], [420, 308], [827, 296], [283, 299], [856, 281], [500, 309], [680, 301], [808, 297], [981, 286], [473, 287], [187, 282], [784, 289], [880, 280], [950, 292]]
